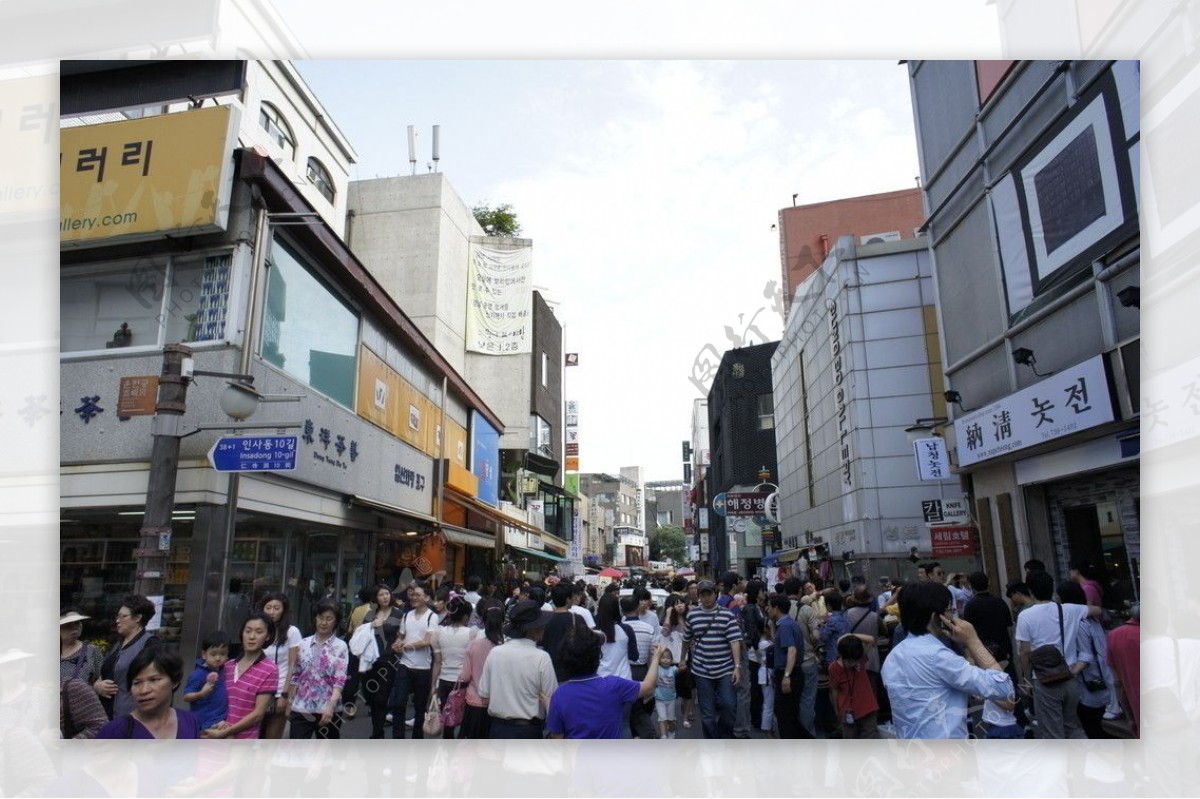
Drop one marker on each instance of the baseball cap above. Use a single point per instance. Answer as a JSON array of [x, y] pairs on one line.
[[528, 615], [706, 585]]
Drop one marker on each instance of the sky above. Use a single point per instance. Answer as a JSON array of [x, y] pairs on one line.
[[649, 189]]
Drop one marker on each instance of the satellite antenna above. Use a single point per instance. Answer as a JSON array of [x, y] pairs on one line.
[[437, 145], [412, 148]]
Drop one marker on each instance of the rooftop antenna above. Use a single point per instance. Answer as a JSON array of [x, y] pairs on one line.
[[437, 145], [412, 148]]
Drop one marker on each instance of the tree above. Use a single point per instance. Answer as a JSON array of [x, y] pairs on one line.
[[498, 221], [667, 542]]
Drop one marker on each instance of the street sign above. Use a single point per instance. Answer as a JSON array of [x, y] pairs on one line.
[[955, 510], [718, 504], [254, 454], [946, 542], [746, 503], [931, 509]]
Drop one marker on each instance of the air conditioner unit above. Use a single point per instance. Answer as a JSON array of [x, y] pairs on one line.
[[879, 238]]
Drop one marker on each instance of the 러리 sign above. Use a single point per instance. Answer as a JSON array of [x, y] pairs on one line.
[[1074, 399], [171, 173]]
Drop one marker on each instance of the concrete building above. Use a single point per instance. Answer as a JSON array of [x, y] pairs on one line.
[[858, 364], [422, 242], [807, 233], [696, 510], [620, 499], [1031, 172], [244, 263], [741, 430]]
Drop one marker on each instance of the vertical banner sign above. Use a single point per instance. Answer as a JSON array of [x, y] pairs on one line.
[[932, 463], [572, 436], [840, 393], [500, 300]]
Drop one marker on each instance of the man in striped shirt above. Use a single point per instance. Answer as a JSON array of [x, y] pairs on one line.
[[712, 643]]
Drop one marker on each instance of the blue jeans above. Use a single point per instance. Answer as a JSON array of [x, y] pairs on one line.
[[808, 697], [718, 704]]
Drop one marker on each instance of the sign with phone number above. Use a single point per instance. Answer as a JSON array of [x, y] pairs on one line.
[[952, 541]]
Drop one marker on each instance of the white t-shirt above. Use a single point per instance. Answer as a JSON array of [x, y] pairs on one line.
[[614, 657], [451, 645], [1038, 625], [279, 654], [585, 614], [997, 716], [412, 631]]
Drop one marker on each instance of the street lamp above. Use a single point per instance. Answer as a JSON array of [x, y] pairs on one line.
[[239, 401]]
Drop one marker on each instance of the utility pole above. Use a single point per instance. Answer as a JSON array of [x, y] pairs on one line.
[[155, 534]]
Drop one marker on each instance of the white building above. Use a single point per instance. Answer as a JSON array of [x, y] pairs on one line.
[[857, 365]]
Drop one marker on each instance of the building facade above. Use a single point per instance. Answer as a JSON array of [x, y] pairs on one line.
[[248, 273], [741, 434], [1031, 172], [808, 233], [858, 367]]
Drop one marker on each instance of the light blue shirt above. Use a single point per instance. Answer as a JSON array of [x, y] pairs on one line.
[[929, 687]]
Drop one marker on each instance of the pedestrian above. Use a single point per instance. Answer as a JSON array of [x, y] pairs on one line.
[[113, 685], [476, 721], [318, 677], [588, 704], [850, 688], [765, 682], [206, 690], [281, 650], [77, 659], [666, 697], [928, 684], [712, 642], [620, 645], [80, 714], [559, 624], [646, 638], [864, 621], [450, 642], [753, 620], [1050, 623], [805, 615], [1095, 680], [376, 683], [672, 633], [151, 680], [1124, 655], [787, 653], [834, 627], [251, 682], [414, 674], [999, 717], [518, 678]]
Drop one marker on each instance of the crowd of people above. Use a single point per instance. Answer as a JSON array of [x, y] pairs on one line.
[[938, 657]]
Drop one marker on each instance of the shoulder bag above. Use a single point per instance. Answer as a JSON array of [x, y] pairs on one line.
[[1047, 661]]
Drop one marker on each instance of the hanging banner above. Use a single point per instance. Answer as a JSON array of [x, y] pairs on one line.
[[500, 300], [932, 462]]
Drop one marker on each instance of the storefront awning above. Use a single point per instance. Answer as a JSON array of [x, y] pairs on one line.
[[537, 553], [396, 510], [467, 538], [783, 556]]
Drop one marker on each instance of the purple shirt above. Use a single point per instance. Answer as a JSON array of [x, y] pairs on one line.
[[129, 727], [590, 707]]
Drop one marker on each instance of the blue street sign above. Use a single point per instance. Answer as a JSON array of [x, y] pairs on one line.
[[254, 454]]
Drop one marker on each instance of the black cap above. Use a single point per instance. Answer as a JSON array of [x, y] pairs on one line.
[[706, 585], [527, 615]]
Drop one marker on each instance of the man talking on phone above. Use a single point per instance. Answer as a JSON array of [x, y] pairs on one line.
[[929, 685]]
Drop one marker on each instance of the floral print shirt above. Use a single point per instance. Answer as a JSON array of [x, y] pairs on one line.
[[320, 667]]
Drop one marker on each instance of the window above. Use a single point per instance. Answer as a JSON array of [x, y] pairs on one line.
[[308, 331], [545, 370], [318, 175], [274, 124], [144, 303], [539, 436], [766, 412]]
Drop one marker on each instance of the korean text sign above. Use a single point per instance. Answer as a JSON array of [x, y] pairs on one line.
[[170, 173]]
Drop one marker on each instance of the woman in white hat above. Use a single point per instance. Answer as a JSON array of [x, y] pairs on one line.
[[78, 660]]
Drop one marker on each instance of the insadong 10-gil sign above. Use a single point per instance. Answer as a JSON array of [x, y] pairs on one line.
[[254, 454]]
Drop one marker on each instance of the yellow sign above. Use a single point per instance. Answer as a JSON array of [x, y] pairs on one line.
[[171, 173], [572, 463]]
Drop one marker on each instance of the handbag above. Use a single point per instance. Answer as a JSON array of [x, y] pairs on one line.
[[456, 706], [1049, 665], [433, 718]]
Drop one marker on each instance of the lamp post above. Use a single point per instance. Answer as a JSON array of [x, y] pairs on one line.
[[238, 401]]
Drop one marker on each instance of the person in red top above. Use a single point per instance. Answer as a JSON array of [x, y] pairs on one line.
[[1124, 655], [851, 690]]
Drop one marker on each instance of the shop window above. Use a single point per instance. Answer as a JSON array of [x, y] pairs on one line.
[[308, 331], [319, 177], [144, 303]]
